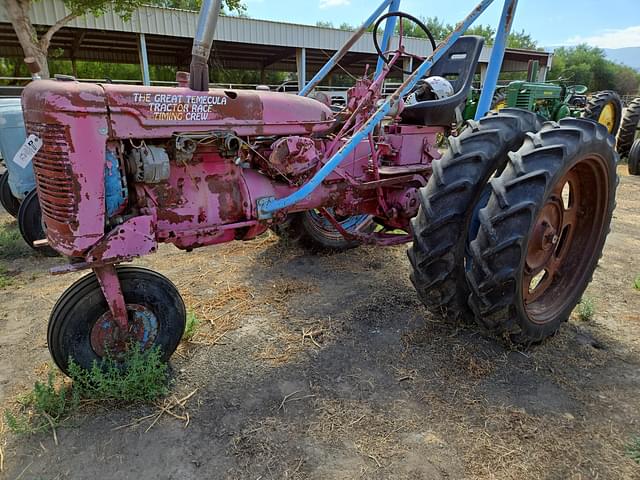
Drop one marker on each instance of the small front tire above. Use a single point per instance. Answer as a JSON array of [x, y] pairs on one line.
[[10, 203], [81, 317], [30, 224]]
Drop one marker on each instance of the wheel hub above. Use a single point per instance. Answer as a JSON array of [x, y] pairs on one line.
[[564, 239], [108, 338], [545, 235], [607, 117]]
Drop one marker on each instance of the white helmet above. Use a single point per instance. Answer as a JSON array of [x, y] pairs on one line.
[[441, 87], [432, 88]]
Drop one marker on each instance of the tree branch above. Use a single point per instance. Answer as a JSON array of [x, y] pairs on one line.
[[46, 38]]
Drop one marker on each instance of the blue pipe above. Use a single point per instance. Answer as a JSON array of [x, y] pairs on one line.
[[497, 56], [266, 206], [333, 61], [389, 28]]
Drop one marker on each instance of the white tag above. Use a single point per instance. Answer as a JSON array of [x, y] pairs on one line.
[[28, 150]]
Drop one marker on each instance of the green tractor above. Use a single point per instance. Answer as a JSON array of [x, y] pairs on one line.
[[557, 101], [554, 100]]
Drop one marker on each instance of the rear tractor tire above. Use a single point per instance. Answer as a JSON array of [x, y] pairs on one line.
[[634, 159], [30, 224], [82, 328], [543, 230], [10, 203], [450, 202], [629, 129], [315, 232], [605, 108]]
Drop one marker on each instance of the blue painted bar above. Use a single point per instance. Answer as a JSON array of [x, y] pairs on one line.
[[333, 61], [144, 60], [497, 56], [266, 206], [389, 28]]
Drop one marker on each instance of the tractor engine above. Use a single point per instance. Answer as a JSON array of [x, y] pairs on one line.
[[122, 168]]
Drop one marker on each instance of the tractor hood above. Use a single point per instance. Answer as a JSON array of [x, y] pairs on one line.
[[153, 112]]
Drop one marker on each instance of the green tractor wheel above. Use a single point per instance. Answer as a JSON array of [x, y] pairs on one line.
[[606, 108], [634, 159], [630, 128]]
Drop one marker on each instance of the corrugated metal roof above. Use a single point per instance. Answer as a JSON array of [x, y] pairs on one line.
[[181, 25]]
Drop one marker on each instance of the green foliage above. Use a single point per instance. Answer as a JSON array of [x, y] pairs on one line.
[[124, 8], [143, 379], [190, 327], [586, 309], [636, 283], [5, 279], [633, 449], [44, 407], [11, 243], [440, 30], [587, 65], [49, 406], [231, 5]]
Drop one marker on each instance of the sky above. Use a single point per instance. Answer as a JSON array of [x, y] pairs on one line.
[[601, 23]]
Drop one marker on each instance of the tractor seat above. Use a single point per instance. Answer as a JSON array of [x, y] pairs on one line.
[[458, 66]]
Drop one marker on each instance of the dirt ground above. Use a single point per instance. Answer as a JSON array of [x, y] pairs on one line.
[[328, 367]]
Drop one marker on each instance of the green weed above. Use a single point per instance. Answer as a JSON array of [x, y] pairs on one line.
[[11, 243], [586, 309], [636, 283], [144, 379], [45, 407], [190, 327], [633, 449], [5, 278], [48, 406]]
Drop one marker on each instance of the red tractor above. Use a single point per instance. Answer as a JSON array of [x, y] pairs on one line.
[[507, 223]]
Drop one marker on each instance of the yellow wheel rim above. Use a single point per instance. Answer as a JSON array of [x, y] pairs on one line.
[[608, 116], [500, 105]]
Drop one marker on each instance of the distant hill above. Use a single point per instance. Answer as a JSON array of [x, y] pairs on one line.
[[629, 56]]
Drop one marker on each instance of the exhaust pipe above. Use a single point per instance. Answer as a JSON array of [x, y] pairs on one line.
[[202, 42]]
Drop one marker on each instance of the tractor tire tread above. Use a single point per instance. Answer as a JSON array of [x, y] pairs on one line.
[[504, 225], [459, 178], [628, 128]]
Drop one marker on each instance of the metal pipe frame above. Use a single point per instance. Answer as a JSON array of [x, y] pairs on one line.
[[339, 55], [267, 206], [389, 28], [497, 56]]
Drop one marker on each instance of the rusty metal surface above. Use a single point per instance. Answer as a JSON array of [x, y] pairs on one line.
[[110, 285], [152, 112]]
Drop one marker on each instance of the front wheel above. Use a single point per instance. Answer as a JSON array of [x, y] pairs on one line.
[[10, 203], [31, 225], [81, 327], [543, 230]]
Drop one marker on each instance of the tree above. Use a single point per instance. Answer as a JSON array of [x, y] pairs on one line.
[[585, 65], [441, 30], [35, 46]]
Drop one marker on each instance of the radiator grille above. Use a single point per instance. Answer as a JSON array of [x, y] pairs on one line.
[[522, 101], [53, 173]]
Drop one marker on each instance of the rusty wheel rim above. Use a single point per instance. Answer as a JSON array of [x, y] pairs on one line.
[[564, 240], [107, 338]]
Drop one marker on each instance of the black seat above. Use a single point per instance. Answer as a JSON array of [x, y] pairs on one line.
[[458, 66]]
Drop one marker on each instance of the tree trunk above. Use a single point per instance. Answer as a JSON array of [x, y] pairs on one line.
[[18, 13], [32, 46]]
